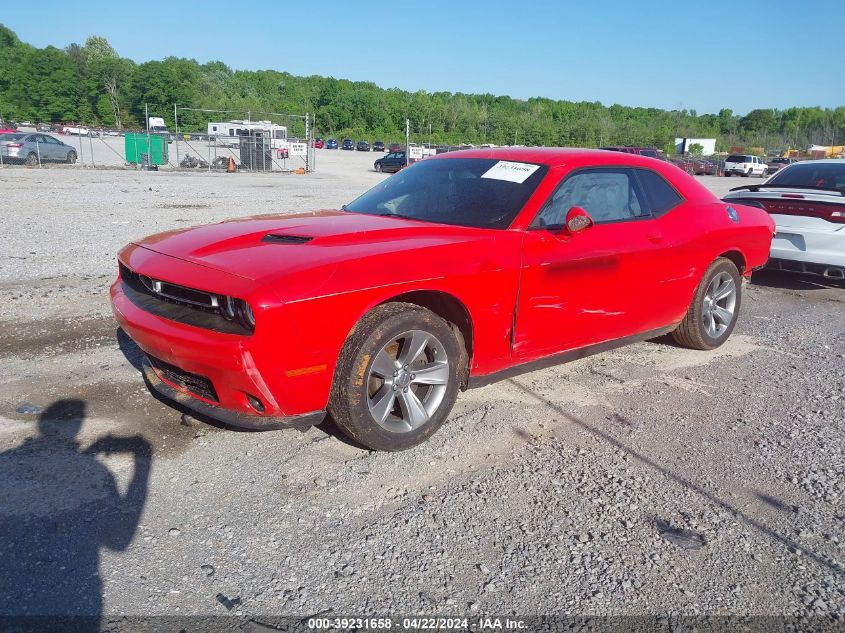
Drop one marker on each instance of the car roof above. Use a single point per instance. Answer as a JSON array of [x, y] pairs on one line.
[[555, 156], [838, 161]]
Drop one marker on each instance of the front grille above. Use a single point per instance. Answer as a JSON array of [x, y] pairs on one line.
[[178, 303], [196, 384]]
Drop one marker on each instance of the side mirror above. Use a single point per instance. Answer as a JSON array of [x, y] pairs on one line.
[[577, 220]]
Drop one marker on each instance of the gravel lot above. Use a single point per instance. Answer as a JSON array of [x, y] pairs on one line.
[[648, 480]]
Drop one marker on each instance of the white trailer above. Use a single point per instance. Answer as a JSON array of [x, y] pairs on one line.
[[228, 133]]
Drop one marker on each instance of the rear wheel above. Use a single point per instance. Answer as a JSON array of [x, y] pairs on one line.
[[32, 159], [712, 314], [397, 377], [71, 157]]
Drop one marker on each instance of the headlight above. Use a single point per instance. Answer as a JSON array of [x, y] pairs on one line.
[[246, 314], [231, 309], [228, 307]]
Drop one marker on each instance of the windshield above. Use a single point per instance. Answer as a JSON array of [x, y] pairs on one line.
[[826, 175], [477, 192]]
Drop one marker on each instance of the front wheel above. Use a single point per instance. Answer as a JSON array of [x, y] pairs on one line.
[[378, 168], [397, 377], [71, 157], [712, 314]]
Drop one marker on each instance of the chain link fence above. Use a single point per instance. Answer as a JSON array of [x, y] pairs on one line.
[[274, 143]]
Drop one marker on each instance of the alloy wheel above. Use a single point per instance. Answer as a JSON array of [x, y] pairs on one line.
[[407, 381], [719, 304]]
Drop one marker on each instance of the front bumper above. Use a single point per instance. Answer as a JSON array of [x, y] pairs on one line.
[[249, 380], [192, 405]]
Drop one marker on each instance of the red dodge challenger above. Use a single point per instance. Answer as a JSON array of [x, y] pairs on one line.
[[458, 271]]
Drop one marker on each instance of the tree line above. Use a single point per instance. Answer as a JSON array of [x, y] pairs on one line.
[[91, 84]]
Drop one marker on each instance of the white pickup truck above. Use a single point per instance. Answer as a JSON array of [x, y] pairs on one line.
[[75, 130]]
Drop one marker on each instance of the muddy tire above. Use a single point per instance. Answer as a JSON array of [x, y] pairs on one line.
[[712, 315], [397, 377]]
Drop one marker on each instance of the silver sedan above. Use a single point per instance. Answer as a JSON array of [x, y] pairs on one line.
[[22, 147]]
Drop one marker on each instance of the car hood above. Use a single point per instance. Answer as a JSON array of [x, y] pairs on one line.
[[262, 247]]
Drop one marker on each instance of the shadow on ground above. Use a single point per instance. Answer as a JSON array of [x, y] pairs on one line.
[[59, 506]]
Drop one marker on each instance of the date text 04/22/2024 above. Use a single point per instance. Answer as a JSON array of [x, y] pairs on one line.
[[418, 624]]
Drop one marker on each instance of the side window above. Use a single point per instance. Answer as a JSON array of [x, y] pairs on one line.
[[607, 194], [661, 195]]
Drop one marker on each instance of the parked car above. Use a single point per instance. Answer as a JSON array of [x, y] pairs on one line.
[[318, 143], [390, 162], [22, 147], [745, 165], [331, 144], [651, 152], [776, 164], [521, 259], [362, 146], [378, 146], [807, 201], [703, 167], [347, 144], [75, 130], [396, 147]]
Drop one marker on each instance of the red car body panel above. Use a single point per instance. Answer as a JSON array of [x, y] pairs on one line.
[[527, 293]]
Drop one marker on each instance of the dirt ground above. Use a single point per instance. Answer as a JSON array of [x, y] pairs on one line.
[[647, 480]]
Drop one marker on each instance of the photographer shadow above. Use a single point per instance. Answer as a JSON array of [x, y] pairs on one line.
[[59, 506]]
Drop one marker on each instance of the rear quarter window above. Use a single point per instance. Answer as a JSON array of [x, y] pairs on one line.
[[662, 196]]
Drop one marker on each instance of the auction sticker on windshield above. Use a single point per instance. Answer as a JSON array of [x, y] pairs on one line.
[[507, 170]]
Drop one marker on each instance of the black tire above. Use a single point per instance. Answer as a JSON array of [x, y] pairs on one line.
[[378, 168], [727, 174], [351, 389], [32, 159], [692, 331], [71, 157]]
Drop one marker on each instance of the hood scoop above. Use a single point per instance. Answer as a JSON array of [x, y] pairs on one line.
[[276, 238]]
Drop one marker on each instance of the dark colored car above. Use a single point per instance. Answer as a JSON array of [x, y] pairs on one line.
[[776, 164], [395, 147], [362, 146], [649, 152], [392, 162], [347, 144], [702, 167], [318, 143], [378, 146], [331, 144]]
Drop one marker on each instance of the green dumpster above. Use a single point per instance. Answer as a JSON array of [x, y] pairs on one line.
[[137, 149]]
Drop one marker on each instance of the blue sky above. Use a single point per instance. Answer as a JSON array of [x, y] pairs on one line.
[[670, 54]]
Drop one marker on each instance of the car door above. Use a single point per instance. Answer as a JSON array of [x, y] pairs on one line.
[[51, 149], [601, 284]]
